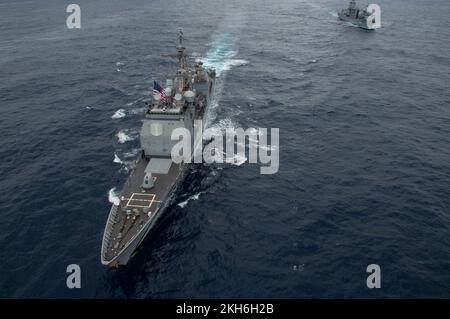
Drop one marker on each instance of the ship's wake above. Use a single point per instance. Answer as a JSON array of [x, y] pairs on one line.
[[220, 128], [222, 59], [222, 56]]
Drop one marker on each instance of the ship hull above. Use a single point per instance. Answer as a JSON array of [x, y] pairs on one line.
[[127, 253], [123, 257]]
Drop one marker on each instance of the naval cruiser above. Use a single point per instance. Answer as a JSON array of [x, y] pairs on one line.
[[360, 17], [151, 185]]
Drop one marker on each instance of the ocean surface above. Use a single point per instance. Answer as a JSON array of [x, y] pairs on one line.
[[364, 121]]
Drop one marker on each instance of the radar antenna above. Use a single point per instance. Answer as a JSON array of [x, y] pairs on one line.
[[180, 36]]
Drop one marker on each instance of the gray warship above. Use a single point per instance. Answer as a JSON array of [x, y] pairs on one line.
[[150, 187], [359, 17]]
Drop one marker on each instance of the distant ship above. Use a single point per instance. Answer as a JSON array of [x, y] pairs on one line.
[[366, 19], [150, 187]]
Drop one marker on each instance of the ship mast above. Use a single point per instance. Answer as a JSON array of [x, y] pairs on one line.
[[183, 73], [182, 63]]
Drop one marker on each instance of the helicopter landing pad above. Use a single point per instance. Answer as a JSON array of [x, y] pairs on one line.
[[140, 200]]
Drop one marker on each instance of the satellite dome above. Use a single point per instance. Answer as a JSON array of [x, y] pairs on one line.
[[178, 97], [189, 96]]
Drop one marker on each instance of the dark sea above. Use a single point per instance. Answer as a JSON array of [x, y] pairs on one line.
[[364, 176]]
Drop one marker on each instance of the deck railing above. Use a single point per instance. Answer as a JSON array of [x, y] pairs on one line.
[[112, 218]]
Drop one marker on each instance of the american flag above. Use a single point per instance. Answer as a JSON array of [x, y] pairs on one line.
[[158, 90]]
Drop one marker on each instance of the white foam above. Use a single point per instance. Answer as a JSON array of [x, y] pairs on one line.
[[193, 197], [123, 137], [132, 153], [222, 58], [125, 166], [222, 125], [228, 64], [118, 114], [223, 63], [117, 159], [113, 197]]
